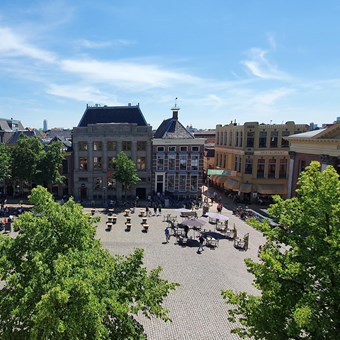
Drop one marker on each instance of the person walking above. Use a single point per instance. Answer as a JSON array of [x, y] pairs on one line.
[[201, 246], [167, 234]]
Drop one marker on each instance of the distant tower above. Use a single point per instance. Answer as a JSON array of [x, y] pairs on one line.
[[45, 125]]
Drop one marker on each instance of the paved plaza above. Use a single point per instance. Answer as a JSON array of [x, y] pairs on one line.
[[197, 308]]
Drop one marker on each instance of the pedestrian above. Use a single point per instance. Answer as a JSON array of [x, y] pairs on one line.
[[167, 234], [147, 212], [219, 208], [201, 246], [160, 208], [186, 230], [155, 209]]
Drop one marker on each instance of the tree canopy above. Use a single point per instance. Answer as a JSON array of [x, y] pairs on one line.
[[5, 163], [59, 282], [298, 274], [125, 171], [26, 156], [32, 162]]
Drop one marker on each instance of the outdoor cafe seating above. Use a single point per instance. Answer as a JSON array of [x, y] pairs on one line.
[[109, 226], [211, 242], [145, 227], [242, 243], [127, 212], [144, 220], [141, 212]]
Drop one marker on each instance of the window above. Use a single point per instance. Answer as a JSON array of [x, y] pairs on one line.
[[272, 168], [263, 139], [111, 183], [83, 179], [172, 162], [82, 146], [249, 166], [97, 146], [97, 163], [111, 163], [302, 165], [274, 139], [225, 138], [160, 162], [141, 146], [237, 137], [111, 146], [284, 142], [183, 148], [250, 139], [171, 182], [195, 149], [83, 163], [160, 148], [193, 183], [260, 168], [182, 182], [182, 162], [141, 163], [126, 145], [194, 162], [283, 168], [230, 138], [172, 149], [97, 183], [236, 163], [241, 139]]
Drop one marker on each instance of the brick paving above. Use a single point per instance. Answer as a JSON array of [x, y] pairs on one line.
[[197, 308]]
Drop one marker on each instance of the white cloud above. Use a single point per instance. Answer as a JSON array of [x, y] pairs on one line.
[[15, 45], [124, 73], [271, 96], [79, 93], [259, 65], [102, 44]]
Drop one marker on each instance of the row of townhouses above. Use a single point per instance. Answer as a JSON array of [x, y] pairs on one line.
[[253, 161]]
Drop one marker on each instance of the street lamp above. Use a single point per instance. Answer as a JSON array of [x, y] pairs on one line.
[[104, 195]]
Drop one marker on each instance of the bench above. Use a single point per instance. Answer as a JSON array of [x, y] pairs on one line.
[[188, 214]]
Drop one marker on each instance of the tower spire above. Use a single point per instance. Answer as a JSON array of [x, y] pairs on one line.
[[175, 110]]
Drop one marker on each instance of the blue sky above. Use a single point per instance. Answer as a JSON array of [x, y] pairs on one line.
[[249, 60]]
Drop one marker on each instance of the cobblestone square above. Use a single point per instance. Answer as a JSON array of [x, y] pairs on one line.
[[197, 308]]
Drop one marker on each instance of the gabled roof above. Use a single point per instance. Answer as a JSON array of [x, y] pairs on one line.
[[112, 114], [10, 124], [57, 138], [171, 128], [16, 134], [332, 132]]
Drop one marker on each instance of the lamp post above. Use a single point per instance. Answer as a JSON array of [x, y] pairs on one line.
[[104, 195]]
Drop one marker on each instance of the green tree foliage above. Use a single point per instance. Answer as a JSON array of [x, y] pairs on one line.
[[298, 275], [26, 157], [59, 282], [125, 171], [5, 162], [50, 164]]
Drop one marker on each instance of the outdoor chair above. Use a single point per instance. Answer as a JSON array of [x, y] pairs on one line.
[[242, 243], [231, 233]]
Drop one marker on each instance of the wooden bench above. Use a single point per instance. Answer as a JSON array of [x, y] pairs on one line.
[[188, 214]]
